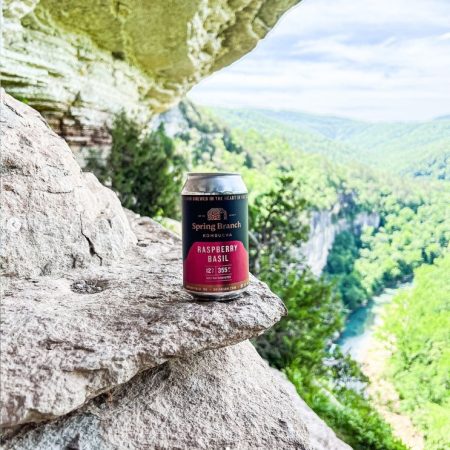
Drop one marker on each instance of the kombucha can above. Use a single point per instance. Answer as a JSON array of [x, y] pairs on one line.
[[215, 235]]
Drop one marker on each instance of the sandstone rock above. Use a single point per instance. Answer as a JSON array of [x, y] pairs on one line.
[[107, 308], [79, 62], [54, 217], [226, 398], [69, 338]]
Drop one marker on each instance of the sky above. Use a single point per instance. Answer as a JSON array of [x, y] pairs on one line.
[[374, 60]]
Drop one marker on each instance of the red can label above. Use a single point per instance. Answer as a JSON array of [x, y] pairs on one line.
[[215, 242]]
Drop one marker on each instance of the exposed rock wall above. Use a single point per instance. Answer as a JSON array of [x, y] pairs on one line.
[[324, 226], [78, 62], [115, 355]]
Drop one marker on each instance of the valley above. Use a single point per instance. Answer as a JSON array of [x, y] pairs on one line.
[[337, 226]]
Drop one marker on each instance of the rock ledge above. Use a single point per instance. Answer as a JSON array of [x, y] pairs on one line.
[[67, 339], [92, 294]]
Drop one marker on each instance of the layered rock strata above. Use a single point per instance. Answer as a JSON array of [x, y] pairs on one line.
[[79, 62]]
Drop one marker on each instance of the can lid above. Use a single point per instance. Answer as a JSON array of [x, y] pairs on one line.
[[212, 174], [213, 183]]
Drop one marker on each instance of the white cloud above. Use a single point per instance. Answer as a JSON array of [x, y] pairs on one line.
[[313, 16], [374, 60]]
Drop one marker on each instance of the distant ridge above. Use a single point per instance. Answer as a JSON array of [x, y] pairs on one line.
[[415, 148]]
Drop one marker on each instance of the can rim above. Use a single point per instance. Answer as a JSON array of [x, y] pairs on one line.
[[212, 174]]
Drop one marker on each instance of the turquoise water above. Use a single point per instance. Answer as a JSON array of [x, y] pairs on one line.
[[359, 327]]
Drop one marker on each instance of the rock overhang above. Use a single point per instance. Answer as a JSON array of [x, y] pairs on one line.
[[141, 57]]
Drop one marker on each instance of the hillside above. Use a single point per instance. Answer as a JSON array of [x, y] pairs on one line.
[[285, 182], [289, 189], [417, 325], [413, 226], [414, 148]]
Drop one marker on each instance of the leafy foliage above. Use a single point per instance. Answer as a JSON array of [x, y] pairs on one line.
[[314, 315], [276, 219], [414, 227], [340, 265], [419, 149], [417, 323], [354, 419], [436, 165], [302, 338], [414, 230], [145, 170], [300, 343]]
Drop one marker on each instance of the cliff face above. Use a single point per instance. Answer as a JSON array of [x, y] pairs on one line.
[[108, 352], [79, 62], [324, 226]]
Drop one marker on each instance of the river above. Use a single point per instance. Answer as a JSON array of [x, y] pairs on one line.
[[356, 337]]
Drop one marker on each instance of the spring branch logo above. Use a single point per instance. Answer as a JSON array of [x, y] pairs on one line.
[[217, 214]]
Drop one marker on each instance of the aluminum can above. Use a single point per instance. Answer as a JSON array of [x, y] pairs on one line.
[[215, 235]]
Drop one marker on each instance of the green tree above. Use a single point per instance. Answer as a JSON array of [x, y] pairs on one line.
[[278, 225], [341, 268], [278, 221], [144, 169], [301, 339], [417, 323]]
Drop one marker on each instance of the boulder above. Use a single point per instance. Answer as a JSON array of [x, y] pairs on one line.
[[54, 217], [227, 398], [80, 61], [68, 338]]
